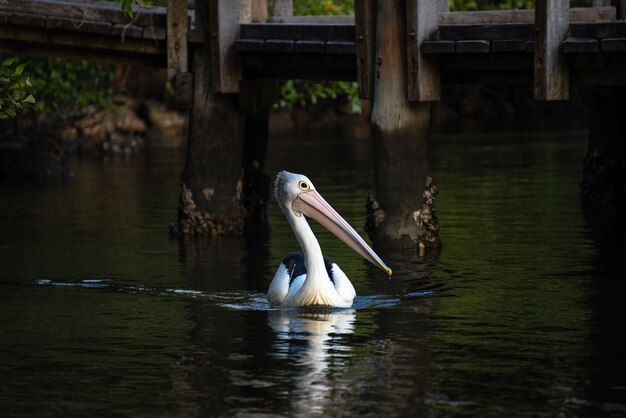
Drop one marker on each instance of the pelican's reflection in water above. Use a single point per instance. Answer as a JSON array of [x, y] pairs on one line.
[[311, 340]]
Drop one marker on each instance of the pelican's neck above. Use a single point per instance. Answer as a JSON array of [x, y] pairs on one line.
[[313, 258]]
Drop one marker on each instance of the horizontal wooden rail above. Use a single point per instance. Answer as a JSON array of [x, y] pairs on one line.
[[482, 17]]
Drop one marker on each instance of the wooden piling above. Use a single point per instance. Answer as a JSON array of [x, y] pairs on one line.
[[224, 32], [177, 27], [400, 213], [212, 181], [365, 26], [423, 82], [551, 66]]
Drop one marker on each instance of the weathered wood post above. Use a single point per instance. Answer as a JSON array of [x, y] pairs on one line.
[[211, 197], [400, 213], [551, 66], [177, 53]]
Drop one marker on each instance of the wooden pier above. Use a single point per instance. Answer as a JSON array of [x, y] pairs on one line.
[[223, 56]]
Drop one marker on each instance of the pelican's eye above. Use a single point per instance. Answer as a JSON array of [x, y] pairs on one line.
[[304, 186]]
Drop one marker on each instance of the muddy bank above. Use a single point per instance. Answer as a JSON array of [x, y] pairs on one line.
[[42, 145]]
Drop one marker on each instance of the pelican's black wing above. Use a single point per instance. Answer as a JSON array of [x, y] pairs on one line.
[[296, 267]]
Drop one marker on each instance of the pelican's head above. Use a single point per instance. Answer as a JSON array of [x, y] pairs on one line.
[[288, 186], [297, 194]]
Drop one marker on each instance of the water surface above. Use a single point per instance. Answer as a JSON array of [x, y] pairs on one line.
[[522, 313]]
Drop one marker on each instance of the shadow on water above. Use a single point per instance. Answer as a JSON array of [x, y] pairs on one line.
[[606, 365]]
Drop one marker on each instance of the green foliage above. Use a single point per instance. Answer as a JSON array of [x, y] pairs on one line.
[[301, 93], [323, 7], [469, 5], [65, 87], [15, 87]]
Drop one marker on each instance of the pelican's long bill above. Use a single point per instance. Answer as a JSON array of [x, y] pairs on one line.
[[312, 204]]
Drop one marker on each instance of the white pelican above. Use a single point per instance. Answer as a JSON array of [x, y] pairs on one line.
[[308, 278]]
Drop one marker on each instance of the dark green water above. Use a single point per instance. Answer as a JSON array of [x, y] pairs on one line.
[[522, 314]]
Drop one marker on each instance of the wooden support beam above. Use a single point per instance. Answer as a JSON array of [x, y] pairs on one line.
[[551, 66], [72, 43], [211, 198], [177, 60], [365, 27], [321, 19], [398, 209], [423, 79], [223, 33], [490, 17], [102, 11]]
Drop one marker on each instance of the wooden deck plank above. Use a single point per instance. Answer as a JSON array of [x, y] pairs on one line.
[[597, 30], [26, 19], [309, 47], [130, 31], [486, 32], [298, 32], [102, 28], [249, 45], [98, 11], [340, 47], [62, 23], [72, 43], [278, 45], [154, 33], [578, 46], [438, 47], [509, 45], [613, 45], [472, 47]]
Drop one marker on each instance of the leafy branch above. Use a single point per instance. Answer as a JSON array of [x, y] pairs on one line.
[[14, 86], [127, 5]]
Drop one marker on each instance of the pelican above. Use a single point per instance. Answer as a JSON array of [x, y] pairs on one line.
[[308, 278]]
